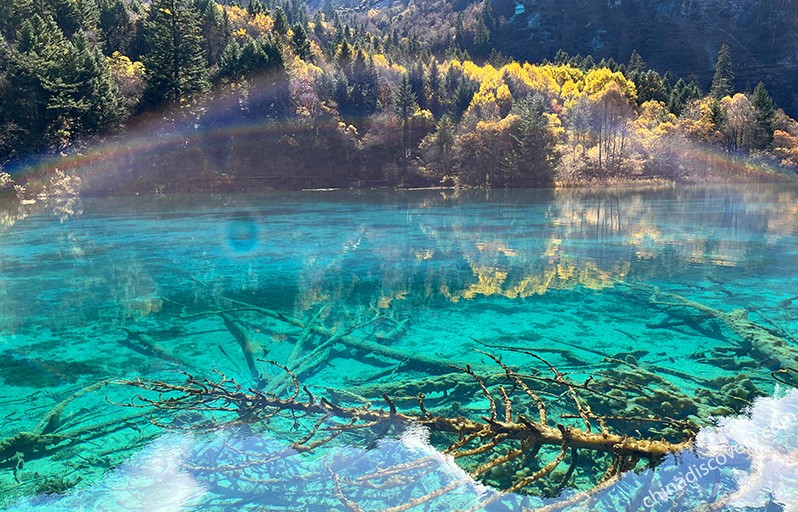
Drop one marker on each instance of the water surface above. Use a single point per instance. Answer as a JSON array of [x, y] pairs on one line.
[[444, 273]]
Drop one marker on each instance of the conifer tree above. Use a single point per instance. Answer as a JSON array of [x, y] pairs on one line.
[[533, 148], [90, 101], [175, 60], [301, 44], [650, 86], [416, 77], [280, 21], [56, 89], [405, 106], [215, 28], [65, 13], [636, 64], [434, 83], [115, 25], [765, 114], [344, 55], [723, 81]]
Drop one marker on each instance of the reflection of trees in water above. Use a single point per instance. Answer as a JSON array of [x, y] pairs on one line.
[[516, 244]]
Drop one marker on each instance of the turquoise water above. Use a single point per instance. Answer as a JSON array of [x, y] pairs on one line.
[[562, 274]]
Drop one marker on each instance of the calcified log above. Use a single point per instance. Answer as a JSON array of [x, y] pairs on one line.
[[774, 351], [144, 344], [48, 435], [244, 341], [296, 352], [513, 439], [421, 362]]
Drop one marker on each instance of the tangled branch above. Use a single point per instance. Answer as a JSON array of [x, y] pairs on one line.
[[485, 445]]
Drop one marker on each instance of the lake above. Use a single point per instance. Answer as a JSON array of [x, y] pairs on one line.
[[628, 287]]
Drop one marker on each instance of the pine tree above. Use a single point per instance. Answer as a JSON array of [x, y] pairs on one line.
[[175, 62], [65, 13], [444, 140], [301, 43], [345, 55], [280, 21], [723, 81], [650, 86], [561, 57], [92, 100], [533, 144], [765, 114], [636, 64], [417, 84], [215, 28], [405, 106], [33, 68], [487, 15], [56, 89], [89, 14], [481, 36], [434, 83], [115, 24]]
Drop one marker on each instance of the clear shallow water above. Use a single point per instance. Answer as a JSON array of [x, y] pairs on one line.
[[539, 270]]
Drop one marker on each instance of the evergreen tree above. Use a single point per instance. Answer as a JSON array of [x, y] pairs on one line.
[[533, 144], [27, 67], [650, 86], [561, 57], [481, 37], [405, 106], [252, 58], [434, 83], [215, 28], [92, 102], [115, 24], [716, 114], [462, 97], [56, 89], [723, 81], [345, 55], [444, 138], [363, 88], [175, 60], [301, 44], [459, 31], [229, 60], [681, 93], [765, 114], [636, 65], [89, 14], [255, 7], [280, 21], [417, 84], [487, 15], [65, 13], [12, 13]]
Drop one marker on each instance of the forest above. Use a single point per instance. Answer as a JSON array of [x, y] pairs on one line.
[[282, 95]]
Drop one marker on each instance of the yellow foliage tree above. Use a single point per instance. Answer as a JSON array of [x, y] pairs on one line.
[[785, 146], [244, 24]]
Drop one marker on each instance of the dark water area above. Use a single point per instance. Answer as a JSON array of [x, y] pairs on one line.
[[567, 274]]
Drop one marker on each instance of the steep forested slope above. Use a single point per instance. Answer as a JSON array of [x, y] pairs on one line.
[[680, 36]]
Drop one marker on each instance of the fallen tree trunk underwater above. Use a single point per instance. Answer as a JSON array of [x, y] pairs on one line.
[[625, 413]]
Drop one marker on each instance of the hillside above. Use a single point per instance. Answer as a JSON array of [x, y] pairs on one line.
[[384, 94], [680, 36]]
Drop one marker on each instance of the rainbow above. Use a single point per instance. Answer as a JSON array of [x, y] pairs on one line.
[[110, 162]]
